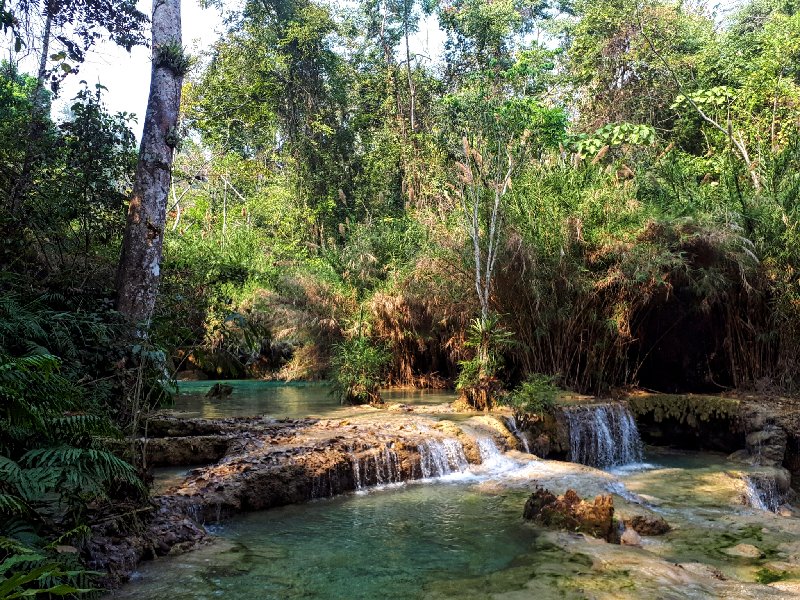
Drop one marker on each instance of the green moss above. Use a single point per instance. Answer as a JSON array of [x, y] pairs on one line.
[[687, 409], [767, 575]]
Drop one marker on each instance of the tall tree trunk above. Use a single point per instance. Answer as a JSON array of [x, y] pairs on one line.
[[140, 263], [412, 89], [39, 109]]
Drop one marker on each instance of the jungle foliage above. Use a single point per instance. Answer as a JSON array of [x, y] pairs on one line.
[[600, 182], [584, 195]]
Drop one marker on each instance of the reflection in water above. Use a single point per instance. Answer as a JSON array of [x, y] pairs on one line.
[[281, 400]]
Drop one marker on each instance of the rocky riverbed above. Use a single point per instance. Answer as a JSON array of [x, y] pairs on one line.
[[259, 463]]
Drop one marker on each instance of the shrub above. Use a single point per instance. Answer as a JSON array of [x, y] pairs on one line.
[[532, 399], [357, 370]]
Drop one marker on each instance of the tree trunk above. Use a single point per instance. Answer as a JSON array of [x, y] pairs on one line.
[[140, 263], [412, 90], [39, 109]]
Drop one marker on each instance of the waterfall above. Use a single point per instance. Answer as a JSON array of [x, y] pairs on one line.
[[493, 458], [762, 492], [488, 449], [603, 435], [380, 466], [511, 423], [441, 457]]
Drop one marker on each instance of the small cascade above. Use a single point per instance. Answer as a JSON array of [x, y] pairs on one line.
[[379, 466], [387, 466], [326, 485], [441, 457], [511, 423], [603, 435], [762, 492], [493, 458], [488, 450]]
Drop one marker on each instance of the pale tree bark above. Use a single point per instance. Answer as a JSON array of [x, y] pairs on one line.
[[39, 110], [140, 263], [412, 89]]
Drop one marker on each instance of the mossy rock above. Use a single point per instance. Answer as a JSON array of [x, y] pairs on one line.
[[685, 408]]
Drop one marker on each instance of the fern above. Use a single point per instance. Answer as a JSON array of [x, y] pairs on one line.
[[52, 461]]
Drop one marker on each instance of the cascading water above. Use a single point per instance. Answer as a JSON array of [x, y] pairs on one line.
[[511, 423], [762, 492], [380, 466], [492, 458], [603, 435], [441, 457]]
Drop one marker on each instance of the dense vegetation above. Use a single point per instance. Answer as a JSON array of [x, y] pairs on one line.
[[589, 195], [621, 178]]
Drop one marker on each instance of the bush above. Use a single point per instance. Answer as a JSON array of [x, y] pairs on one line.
[[477, 380], [357, 370], [532, 399]]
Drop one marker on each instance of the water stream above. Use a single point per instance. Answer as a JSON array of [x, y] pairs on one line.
[[457, 532], [460, 535]]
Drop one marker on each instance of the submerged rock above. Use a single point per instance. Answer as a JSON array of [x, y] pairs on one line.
[[744, 551], [572, 513], [629, 537], [218, 390]]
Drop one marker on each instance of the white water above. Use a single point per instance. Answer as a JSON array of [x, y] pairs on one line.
[[383, 462], [603, 435], [762, 492], [442, 457], [511, 423]]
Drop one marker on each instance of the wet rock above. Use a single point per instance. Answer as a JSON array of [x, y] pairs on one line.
[[647, 525], [166, 528], [219, 390], [180, 451], [191, 375], [792, 588], [767, 446], [496, 428], [541, 445], [570, 512], [741, 456], [744, 551], [629, 537], [321, 459], [703, 570]]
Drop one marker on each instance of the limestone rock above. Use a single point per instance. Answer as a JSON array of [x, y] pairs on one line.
[[647, 525], [218, 390], [744, 551], [741, 456], [767, 446], [572, 513], [630, 538]]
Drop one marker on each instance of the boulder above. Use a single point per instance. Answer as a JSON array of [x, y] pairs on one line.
[[629, 537], [570, 512], [744, 551], [767, 446], [647, 525], [218, 390]]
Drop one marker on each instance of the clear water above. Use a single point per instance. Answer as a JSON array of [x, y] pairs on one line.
[[359, 546], [463, 537], [280, 400]]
